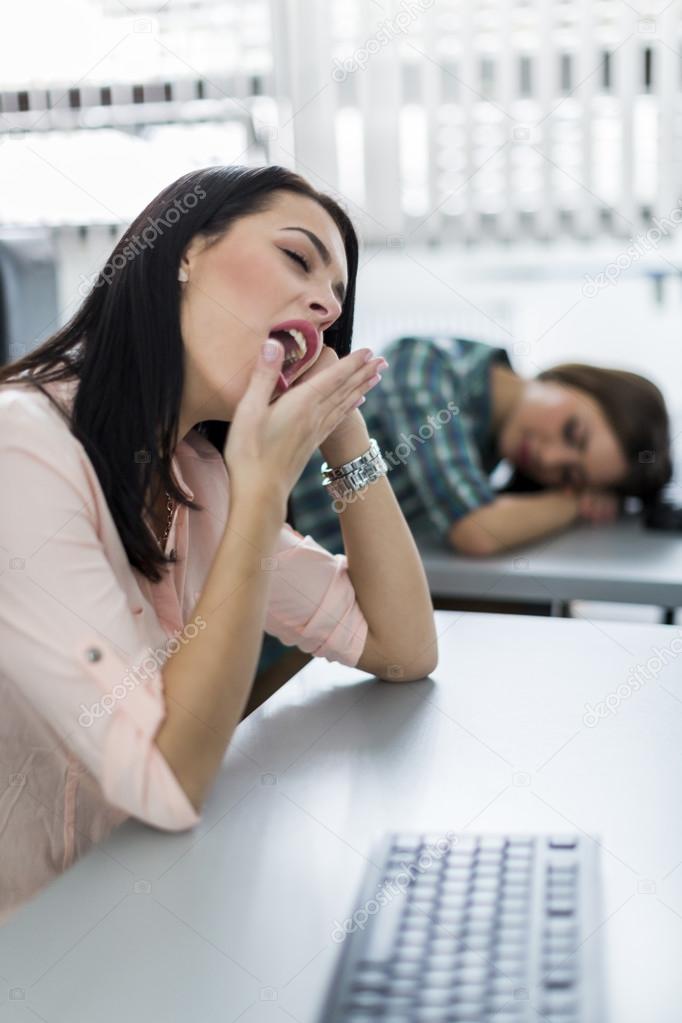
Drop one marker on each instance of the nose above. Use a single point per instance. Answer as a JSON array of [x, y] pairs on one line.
[[326, 308], [555, 456], [551, 455]]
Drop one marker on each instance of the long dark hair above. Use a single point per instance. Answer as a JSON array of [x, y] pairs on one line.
[[636, 412], [124, 344]]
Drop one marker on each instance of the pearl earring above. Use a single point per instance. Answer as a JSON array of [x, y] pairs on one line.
[[182, 275]]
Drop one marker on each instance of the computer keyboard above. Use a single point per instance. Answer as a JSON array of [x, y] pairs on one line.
[[459, 928]]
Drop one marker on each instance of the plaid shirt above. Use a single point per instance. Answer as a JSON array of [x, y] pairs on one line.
[[431, 417]]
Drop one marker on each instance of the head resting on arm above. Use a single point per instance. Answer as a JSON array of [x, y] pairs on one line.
[[587, 426]]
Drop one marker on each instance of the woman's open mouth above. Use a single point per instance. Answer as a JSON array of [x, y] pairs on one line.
[[302, 344]]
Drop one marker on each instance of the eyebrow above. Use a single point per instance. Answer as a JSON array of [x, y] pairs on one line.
[[323, 252]]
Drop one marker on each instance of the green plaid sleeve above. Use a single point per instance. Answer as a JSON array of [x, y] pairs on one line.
[[430, 434]]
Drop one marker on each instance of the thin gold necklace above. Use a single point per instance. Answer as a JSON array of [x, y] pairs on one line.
[[169, 521]]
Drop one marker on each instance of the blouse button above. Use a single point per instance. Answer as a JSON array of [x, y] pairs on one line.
[[94, 654]]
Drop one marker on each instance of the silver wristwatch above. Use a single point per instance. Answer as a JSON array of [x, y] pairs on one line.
[[345, 480]]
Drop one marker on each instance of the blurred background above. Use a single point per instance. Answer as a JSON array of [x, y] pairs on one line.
[[513, 168]]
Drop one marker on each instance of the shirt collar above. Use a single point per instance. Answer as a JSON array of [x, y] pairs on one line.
[[176, 464]]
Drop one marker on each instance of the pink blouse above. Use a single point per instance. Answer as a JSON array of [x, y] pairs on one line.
[[83, 638]]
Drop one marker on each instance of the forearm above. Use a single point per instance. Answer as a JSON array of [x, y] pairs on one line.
[[208, 680], [385, 569], [513, 519]]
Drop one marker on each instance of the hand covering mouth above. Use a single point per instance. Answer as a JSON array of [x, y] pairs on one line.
[[302, 344]]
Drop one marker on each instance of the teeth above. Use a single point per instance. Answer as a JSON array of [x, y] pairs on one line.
[[294, 356]]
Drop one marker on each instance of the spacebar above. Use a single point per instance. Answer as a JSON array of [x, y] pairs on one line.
[[384, 931]]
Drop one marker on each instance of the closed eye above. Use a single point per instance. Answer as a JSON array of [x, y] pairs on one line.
[[572, 435], [570, 429], [301, 260]]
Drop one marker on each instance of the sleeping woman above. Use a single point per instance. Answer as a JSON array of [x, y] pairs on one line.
[[579, 437]]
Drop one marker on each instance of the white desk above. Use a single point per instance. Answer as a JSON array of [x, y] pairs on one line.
[[234, 920], [622, 562]]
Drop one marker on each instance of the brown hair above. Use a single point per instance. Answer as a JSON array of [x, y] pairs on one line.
[[125, 347], [636, 412]]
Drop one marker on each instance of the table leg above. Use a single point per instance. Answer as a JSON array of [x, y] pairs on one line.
[[561, 609]]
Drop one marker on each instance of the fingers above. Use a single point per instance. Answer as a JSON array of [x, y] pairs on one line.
[[338, 373], [265, 374], [598, 507], [341, 384], [364, 376], [352, 394]]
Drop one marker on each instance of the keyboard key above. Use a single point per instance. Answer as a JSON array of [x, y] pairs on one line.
[[558, 948], [506, 951], [563, 842], [502, 986], [509, 1013], [437, 979], [370, 976], [492, 843], [560, 978], [488, 872], [455, 885], [466, 1012], [556, 927], [401, 999], [559, 1004], [473, 974], [498, 1003], [520, 853], [435, 996], [452, 907], [365, 1000], [457, 870], [403, 971], [560, 907], [384, 930], [471, 959], [403, 987], [428, 1014], [565, 869]]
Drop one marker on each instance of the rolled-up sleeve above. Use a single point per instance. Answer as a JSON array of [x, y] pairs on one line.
[[69, 640], [312, 600], [444, 468]]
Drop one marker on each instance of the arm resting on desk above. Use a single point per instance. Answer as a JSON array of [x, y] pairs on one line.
[[513, 519], [386, 571]]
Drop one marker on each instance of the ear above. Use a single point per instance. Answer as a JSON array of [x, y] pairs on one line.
[[196, 246]]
